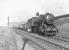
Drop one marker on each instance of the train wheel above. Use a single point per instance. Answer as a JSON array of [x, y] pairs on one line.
[[46, 33], [50, 33]]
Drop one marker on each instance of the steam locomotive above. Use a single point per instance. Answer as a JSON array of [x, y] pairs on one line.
[[43, 24]]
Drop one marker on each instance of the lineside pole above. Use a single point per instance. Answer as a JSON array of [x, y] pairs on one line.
[[25, 41], [8, 21]]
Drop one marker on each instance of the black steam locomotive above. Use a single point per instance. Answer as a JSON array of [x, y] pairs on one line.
[[43, 24]]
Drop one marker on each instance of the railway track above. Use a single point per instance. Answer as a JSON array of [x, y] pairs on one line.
[[59, 38], [50, 40]]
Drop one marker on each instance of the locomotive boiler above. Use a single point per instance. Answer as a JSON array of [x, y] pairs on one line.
[[44, 24]]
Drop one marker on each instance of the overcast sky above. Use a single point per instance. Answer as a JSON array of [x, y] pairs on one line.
[[21, 10]]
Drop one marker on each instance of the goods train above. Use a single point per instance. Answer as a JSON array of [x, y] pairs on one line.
[[43, 24]]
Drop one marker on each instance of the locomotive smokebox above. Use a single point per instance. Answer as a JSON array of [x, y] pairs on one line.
[[49, 18]]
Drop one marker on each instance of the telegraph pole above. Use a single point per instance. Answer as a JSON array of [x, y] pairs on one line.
[[8, 21]]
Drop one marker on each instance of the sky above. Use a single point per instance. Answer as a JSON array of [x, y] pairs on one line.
[[22, 10]]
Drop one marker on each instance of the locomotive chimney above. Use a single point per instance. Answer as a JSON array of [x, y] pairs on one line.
[[37, 14]]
